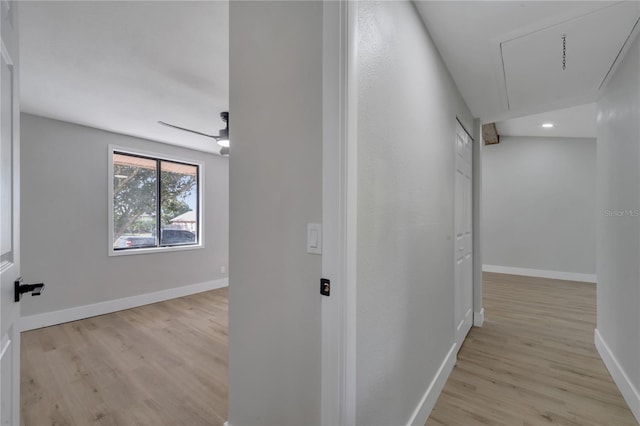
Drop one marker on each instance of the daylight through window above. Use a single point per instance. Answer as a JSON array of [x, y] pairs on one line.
[[155, 202]]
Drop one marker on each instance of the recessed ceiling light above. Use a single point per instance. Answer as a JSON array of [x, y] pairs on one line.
[[547, 125]]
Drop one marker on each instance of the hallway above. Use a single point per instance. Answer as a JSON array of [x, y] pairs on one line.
[[533, 362]]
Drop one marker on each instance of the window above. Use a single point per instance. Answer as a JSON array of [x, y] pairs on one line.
[[155, 202]]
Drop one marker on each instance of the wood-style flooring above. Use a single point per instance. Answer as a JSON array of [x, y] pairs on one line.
[[533, 362], [160, 364]]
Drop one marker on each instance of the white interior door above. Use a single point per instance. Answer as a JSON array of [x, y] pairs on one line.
[[9, 217], [463, 256]]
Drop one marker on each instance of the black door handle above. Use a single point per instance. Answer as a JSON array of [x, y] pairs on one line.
[[19, 288]]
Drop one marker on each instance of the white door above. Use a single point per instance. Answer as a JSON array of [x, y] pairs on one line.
[[463, 243], [10, 216]]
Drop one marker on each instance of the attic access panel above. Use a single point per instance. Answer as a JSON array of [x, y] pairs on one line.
[[533, 63]]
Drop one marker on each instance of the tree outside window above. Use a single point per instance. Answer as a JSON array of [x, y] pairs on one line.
[[145, 189]]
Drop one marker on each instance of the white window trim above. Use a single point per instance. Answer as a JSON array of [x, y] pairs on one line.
[[159, 156]]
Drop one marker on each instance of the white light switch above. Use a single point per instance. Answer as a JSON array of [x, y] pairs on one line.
[[314, 238]]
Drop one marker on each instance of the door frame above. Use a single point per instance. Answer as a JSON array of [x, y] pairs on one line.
[[339, 212], [476, 232]]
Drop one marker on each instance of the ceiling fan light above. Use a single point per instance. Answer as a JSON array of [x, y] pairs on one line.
[[223, 138]]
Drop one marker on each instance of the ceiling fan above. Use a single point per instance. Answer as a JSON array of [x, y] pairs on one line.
[[222, 138]]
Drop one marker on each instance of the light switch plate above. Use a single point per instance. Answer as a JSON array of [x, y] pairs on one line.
[[314, 238]]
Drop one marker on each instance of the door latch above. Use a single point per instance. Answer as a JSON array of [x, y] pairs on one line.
[[19, 288]]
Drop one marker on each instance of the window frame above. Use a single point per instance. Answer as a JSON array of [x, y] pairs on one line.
[[113, 149]]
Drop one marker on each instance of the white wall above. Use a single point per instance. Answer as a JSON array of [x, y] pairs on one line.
[[276, 189], [618, 237], [65, 220], [539, 204], [407, 110]]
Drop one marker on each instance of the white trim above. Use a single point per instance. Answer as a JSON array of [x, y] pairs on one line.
[[6, 55], [541, 273], [149, 250], [17, 194], [338, 381], [158, 156], [421, 413], [478, 318], [46, 319], [5, 347], [351, 213], [627, 389], [621, 54], [476, 236], [333, 194], [154, 154]]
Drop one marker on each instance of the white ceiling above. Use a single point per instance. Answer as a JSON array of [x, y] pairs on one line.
[[122, 66], [506, 56], [574, 122]]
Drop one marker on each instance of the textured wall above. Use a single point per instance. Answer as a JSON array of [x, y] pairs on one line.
[[407, 110]]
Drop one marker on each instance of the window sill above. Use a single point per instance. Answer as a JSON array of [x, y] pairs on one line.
[[151, 250]]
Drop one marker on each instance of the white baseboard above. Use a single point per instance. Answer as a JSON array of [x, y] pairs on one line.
[[46, 319], [478, 318], [421, 413], [541, 273], [628, 391]]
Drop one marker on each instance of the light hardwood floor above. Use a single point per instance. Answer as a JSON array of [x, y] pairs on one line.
[[160, 364], [533, 362]]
